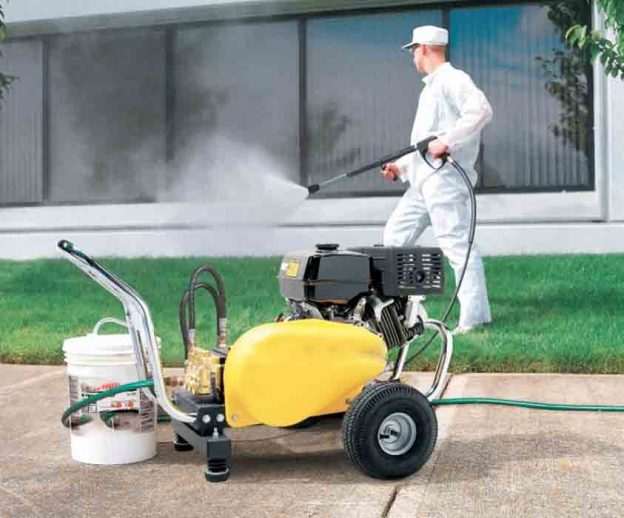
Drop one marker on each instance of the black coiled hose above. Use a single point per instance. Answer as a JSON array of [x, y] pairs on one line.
[[187, 307], [187, 318]]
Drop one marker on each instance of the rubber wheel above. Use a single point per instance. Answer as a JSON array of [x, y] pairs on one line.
[[390, 430]]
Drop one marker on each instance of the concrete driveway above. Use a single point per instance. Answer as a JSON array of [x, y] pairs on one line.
[[489, 461]]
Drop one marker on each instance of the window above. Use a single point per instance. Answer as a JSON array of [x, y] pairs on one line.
[[107, 116], [236, 106], [540, 137], [362, 93], [21, 125]]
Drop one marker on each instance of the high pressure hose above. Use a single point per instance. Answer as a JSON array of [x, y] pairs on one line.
[[471, 234], [220, 303], [187, 316]]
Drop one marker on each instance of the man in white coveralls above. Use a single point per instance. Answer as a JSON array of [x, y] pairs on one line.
[[453, 109]]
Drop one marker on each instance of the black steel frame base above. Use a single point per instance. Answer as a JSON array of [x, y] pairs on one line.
[[206, 434]]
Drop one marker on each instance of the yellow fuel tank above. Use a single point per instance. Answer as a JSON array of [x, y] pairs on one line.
[[282, 373]]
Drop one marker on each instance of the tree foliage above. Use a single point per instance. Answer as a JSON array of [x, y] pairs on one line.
[[607, 46], [567, 73]]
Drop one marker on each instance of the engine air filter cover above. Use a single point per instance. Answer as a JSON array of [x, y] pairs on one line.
[[402, 271]]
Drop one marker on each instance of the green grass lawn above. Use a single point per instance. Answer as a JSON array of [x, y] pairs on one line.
[[551, 313]]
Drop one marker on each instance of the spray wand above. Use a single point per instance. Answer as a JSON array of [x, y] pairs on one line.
[[421, 147]]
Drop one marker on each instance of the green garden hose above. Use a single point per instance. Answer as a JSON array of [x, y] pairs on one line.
[[525, 404], [128, 387], [107, 416]]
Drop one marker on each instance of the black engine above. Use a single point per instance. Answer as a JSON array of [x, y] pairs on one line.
[[377, 287]]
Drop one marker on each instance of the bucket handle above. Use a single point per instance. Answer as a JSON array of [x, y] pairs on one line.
[[108, 320]]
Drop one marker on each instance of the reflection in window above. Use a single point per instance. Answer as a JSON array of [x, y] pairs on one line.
[[540, 136], [362, 93], [107, 123], [236, 106]]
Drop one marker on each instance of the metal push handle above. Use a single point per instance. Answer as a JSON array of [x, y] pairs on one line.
[[444, 360], [140, 326]]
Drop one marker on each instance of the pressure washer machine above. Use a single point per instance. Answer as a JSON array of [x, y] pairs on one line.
[[340, 348]]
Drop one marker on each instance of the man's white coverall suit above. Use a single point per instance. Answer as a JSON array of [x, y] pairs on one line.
[[455, 110]]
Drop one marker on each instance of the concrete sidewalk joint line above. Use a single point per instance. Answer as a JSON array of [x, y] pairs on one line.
[[5, 391], [390, 502], [22, 500]]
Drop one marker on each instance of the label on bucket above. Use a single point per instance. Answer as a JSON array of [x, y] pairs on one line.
[[128, 411]]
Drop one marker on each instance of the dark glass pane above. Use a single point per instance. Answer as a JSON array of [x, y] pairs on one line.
[[236, 106], [21, 124], [362, 94], [540, 136], [107, 115]]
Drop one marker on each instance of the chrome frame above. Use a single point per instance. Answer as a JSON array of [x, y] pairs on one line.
[[446, 353], [140, 327], [444, 360]]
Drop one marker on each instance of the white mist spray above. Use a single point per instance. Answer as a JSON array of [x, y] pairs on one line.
[[239, 191]]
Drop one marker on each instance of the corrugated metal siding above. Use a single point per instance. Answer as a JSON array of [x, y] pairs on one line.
[[21, 125]]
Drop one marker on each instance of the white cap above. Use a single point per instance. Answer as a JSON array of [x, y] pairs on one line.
[[428, 35]]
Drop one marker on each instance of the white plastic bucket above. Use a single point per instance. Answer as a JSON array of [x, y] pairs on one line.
[[122, 427]]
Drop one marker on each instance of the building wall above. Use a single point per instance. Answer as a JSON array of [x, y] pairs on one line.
[[549, 222]]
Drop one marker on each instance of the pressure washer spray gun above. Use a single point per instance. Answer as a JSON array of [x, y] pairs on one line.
[[421, 147]]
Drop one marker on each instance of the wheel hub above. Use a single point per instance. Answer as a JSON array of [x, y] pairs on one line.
[[397, 433]]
